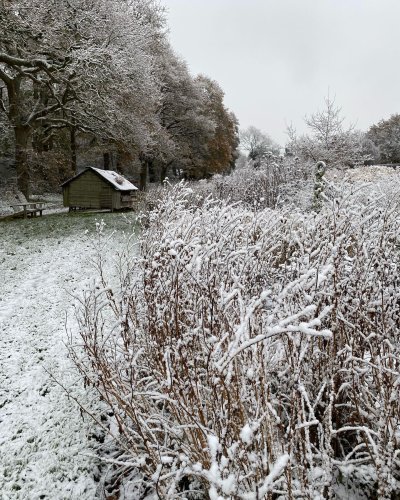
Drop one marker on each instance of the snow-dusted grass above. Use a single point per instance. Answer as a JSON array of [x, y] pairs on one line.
[[44, 441]]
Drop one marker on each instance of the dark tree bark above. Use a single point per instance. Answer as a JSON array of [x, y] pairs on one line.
[[153, 171], [21, 159], [106, 161], [164, 171], [74, 165], [21, 132], [143, 175]]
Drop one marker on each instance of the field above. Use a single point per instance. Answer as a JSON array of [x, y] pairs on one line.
[[47, 449]]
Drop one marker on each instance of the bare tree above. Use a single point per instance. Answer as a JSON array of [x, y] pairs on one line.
[[256, 143], [328, 139]]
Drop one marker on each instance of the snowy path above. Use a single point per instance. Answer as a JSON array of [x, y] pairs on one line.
[[44, 443]]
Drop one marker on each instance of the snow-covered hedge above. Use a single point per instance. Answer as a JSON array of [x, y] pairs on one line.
[[258, 186], [270, 183], [253, 354]]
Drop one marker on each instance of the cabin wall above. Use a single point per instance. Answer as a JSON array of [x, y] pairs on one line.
[[89, 191], [125, 199], [129, 199], [66, 196], [116, 200]]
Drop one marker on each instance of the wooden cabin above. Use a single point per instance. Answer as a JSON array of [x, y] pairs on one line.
[[99, 189]]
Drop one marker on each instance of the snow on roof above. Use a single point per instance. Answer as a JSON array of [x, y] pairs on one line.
[[115, 179]]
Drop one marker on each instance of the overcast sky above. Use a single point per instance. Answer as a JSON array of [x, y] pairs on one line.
[[276, 60]]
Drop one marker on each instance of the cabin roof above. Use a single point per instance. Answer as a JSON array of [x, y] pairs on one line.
[[116, 180]]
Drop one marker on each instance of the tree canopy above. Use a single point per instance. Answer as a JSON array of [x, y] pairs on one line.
[[386, 137], [102, 68]]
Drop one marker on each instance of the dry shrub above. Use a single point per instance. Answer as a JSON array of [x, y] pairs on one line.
[[251, 355]]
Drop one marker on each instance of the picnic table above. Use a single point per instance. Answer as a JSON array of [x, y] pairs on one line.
[[30, 208]]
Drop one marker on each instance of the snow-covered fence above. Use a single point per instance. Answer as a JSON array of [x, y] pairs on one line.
[[250, 353]]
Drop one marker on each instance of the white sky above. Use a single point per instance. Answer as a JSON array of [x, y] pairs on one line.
[[276, 60]]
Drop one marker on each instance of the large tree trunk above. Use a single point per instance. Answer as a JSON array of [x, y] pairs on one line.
[[74, 166], [106, 161], [143, 176], [144, 172], [21, 134], [21, 159], [153, 171], [164, 171]]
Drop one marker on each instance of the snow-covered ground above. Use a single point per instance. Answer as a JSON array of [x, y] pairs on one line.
[[372, 173], [45, 444]]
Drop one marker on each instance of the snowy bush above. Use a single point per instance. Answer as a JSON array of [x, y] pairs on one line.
[[273, 181], [265, 185], [252, 354]]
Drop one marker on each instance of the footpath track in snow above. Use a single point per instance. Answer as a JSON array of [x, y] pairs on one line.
[[45, 444]]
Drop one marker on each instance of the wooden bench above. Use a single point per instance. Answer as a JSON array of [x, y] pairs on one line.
[[30, 209]]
